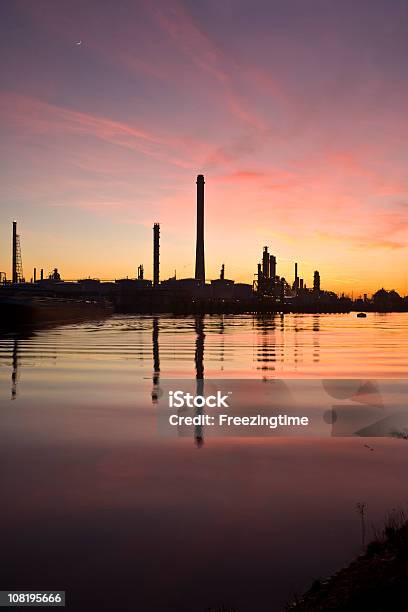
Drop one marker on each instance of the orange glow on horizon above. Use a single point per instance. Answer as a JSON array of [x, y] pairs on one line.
[[302, 147]]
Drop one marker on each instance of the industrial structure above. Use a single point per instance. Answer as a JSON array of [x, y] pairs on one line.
[[17, 262], [268, 293], [199, 262], [296, 281], [274, 293], [156, 255]]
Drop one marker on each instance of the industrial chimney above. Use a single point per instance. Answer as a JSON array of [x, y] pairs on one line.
[[296, 282], [199, 264], [14, 275], [156, 253], [265, 263], [272, 268]]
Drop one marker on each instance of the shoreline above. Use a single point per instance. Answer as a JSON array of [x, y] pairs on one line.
[[375, 580]]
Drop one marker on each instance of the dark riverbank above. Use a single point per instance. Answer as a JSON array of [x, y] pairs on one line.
[[375, 581], [59, 300], [17, 311]]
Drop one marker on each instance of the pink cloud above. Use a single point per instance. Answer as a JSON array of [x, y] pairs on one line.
[[378, 230], [180, 26], [241, 176], [39, 117]]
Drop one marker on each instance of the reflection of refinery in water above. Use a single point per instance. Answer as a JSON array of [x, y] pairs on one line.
[[268, 293]]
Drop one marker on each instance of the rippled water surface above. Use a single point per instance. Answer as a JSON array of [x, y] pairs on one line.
[[94, 499]]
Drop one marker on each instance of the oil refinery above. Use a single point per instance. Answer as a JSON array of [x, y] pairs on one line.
[[268, 292]]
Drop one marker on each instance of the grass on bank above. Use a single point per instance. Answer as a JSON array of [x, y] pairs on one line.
[[376, 581]]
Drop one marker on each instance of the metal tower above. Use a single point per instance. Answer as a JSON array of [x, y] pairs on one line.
[[17, 271], [156, 254], [19, 261]]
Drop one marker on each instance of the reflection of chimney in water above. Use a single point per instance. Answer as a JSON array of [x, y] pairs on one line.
[[156, 361], [199, 364], [316, 338], [14, 372]]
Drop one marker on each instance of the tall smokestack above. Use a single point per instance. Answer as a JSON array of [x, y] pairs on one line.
[[272, 267], [14, 274], [295, 285], [199, 264], [42, 274], [265, 262], [156, 253]]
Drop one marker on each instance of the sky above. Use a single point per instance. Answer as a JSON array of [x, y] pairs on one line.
[[294, 110]]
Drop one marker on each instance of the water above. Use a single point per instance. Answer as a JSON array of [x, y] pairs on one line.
[[93, 502]]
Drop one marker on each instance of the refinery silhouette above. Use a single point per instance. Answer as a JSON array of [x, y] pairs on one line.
[[50, 297]]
